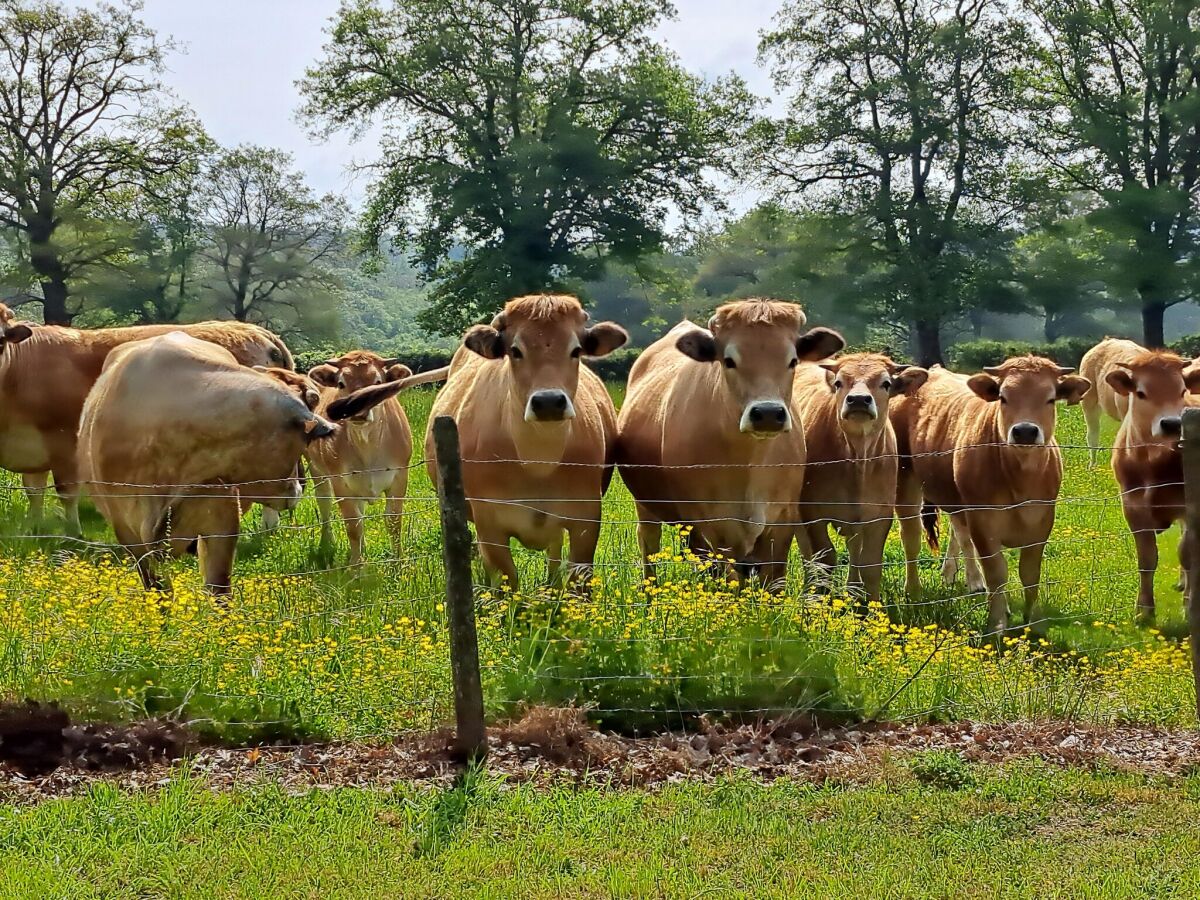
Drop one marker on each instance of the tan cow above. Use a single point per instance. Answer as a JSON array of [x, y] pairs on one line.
[[537, 430], [1097, 364], [710, 435], [370, 454], [45, 377], [983, 449], [850, 474], [177, 438], [1155, 386]]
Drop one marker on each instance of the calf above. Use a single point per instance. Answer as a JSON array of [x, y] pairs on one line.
[[1108, 356], [983, 449], [1155, 386], [850, 474], [710, 435], [536, 428], [370, 454]]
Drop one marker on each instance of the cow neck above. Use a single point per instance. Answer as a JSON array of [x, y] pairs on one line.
[[724, 442], [1136, 441], [866, 447], [535, 442]]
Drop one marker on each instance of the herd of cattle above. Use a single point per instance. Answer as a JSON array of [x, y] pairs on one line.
[[752, 431]]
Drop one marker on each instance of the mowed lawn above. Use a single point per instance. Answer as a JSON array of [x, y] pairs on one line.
[[1020, 831], [310, 646]]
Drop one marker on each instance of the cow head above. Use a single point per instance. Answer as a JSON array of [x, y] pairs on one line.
[[356, 370], [1026, 389], [863, 383], [12, 331], [1156, 383], [758, 343], [542, 338]]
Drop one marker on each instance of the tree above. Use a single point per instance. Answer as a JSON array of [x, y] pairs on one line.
[[1119, 98], [77, 87], [549, 135], [270, 240], [901, 117]]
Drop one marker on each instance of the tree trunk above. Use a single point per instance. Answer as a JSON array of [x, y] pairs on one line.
[[1153, 311], [54, 302], [48, 266], [1050, 328], [928, 343]]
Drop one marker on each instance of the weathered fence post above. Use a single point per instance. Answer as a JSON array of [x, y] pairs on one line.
[[1190, 449], [471, 734]]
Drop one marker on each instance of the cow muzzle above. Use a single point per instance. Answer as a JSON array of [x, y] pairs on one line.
[[1168, 427], [859, 406], [766, 418], [1026, 434], [549, 406]]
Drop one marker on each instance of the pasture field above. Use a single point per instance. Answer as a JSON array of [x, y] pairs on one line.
[[310, 647]]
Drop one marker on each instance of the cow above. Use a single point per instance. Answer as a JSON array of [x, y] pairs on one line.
[[983, 449], [1154, 387], [710, 436], [537, 431], [851, 466], [370, 454], [177, 437], [45, 374], [1106, 357]]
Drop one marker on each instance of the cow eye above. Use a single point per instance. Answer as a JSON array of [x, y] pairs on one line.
[[576, 353], [729, 363], [793, 363], [341, 381], [516, 353], [837, 385], [1004, 400], [886, 386], [1140, 394]]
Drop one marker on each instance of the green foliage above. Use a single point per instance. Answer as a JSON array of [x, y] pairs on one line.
[[971, 356], [550, 135], [943, 769]]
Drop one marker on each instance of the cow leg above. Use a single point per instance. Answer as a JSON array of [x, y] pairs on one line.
[[67, 488], [1146, 541], [995, 573], [35, 485], [1091, 413], [143, 557], [823, 556], [908, 508], [771, 556], [960, 536], [497, 558], [216, 550], [270, 520], [584, 536], [649, 541], [352, 516], [393, 510], [869, 563], [1031, 577], [324, 491], [950, 561]]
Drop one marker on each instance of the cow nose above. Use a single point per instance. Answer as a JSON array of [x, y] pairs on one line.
[[1025, 433], [549, 406], [768, 417], [1171, 426], [860, 403]]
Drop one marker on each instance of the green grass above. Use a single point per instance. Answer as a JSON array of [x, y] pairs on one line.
[[1024, 830], [308, 645]]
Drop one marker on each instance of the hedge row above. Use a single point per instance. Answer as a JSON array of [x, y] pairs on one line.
[[614, 367]]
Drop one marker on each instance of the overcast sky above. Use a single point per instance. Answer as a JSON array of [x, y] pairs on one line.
[[243, 58]]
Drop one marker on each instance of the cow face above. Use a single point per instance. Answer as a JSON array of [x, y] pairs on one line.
[[863, 383], [12, 331], [1026, 389], [758, 344], [542, 339], [1157, 385], [356, 370]]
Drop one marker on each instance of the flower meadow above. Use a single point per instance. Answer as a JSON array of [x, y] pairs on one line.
[[308, 646]]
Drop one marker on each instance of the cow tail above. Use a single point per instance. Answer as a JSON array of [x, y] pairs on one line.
[[929, 520]]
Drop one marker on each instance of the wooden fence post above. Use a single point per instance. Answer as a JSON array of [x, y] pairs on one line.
[[1190, 448], [471, 734]]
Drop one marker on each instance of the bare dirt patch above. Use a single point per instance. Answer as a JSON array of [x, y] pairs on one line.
[[554, 745]]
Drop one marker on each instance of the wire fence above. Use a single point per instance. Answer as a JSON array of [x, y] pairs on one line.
[[310, 644]]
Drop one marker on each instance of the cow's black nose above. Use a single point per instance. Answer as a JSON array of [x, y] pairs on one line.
[[548, 406], [1171, 426], [768, 416], [1025, 433]]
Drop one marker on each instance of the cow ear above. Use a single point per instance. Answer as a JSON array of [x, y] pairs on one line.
[[1122, 382], [603, 338], [484, 340], [818, 343], [397, 372], [831, 371], [1191, 378], [907, 379], [985, 386], [14, 334], [324, 374], [1072, 388], [699, 344]]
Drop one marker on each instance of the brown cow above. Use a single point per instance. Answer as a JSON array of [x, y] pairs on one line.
[[1097, 364], [45, 378], [850, 474], [370, 454], [710, 435], [537, 430], [983, 449], [177, 437], [1155, 386]]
